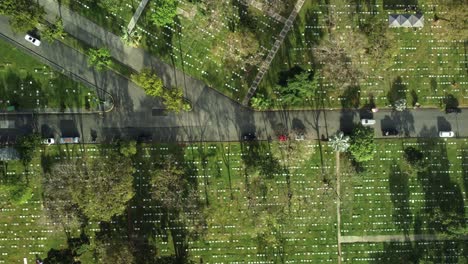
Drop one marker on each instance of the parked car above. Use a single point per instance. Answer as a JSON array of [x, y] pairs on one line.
[[69, 140], [389, 132], [33, 40], [283, 138], [48, 141], [446, 134], [300, 137], [249, 137], [367, 122]]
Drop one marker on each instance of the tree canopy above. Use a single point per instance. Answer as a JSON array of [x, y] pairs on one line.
[[27, 145], [362, 143], [54, 31], [173, 98], [298, 89], [100, 188], [165, 11], [24, 14], [99, 58]]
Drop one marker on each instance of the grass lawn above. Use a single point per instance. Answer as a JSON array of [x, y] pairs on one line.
[[424, 65], [28, 84], [266, 202], [405, 252], [390, 197]]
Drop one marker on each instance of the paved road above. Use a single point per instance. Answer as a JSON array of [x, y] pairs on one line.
[[214, 117]]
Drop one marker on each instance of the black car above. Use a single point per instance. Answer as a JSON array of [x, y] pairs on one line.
[[389, 132], [249, 137]]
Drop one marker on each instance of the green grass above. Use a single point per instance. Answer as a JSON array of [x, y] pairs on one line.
[[390, 196], [275, 189], [405, 252], [429, 63], [28, 84]]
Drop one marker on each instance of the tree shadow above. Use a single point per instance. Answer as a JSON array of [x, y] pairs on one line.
[[397, 91], [400, 194], [351, 97], [444, 199], [404, 121], [313, 33]]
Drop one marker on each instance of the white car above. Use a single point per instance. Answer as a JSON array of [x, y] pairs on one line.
[[33, 40], [446, 134], [48, 141], [367, 122]]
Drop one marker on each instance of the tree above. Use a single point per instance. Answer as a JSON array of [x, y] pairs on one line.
[[362, 143], [24, 14], [99, 58], [132, 39], [128, 148], [170, 185], [173, 98], [339, 142], [112, 6], [165, 11], [26, 147], [55, 31], [414, 157], [99, 188], [260, 102], [103, 188], [115, 251], [150, 82], [56, 196], [298, 89], [400, 105]]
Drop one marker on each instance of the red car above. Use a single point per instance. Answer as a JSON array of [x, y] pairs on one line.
[[283, 138]]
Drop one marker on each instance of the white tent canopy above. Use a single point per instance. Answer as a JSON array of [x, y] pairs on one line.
[[406, 20]]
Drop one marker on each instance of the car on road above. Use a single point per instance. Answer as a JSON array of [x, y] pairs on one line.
[[249, 137], [389, 132], [69, 140], [368, 122], [32, 40], [282, 138], [446, 134], [48, 141]]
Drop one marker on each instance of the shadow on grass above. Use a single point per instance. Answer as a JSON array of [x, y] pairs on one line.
[[399, 191]]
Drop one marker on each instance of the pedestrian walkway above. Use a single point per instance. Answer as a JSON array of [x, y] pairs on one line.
[[137, 15], [266, 10], [271, 54]]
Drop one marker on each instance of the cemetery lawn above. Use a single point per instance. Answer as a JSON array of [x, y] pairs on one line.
[[267, 202], [425, 66], [29, 85]]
